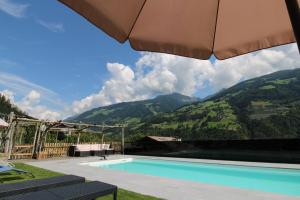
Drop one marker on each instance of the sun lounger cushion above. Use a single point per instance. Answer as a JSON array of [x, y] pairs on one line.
[[95, 147], [38, 184], [92, 190], [83, 147], [83, 150], [106, 146], [40, 195], [86, 191]]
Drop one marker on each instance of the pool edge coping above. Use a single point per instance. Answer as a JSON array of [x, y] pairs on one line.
[[223, 162]]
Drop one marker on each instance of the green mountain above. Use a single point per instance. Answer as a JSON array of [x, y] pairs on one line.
[[133, 113], [7, 107], [264, 107]]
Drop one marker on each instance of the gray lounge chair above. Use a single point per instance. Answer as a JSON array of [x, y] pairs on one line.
[[82, 191], [38, 184]]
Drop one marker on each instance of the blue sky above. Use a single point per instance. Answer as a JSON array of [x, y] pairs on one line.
[[58, 59], [53, 63]]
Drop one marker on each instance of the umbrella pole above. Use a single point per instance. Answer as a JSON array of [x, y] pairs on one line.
[[294, 13]]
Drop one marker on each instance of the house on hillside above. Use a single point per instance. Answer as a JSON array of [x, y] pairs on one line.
[[157, 142]]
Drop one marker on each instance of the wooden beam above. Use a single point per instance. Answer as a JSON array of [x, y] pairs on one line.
[[11, 139], [56, 136], [96, 125], [38, 143], [21, 134], [78, 138], [123, 142], [8, 131], [70, 123], [35, 139], [45, 141]]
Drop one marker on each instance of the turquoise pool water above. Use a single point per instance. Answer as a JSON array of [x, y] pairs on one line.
[[275, 180]]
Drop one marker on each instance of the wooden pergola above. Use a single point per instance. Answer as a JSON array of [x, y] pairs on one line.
[[43, 128]]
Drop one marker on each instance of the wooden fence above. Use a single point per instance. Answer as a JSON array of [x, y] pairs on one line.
[[52, 150], [23, 151]]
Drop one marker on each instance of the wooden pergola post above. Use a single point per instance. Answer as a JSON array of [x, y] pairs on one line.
[[11, 138], [56, 137], [123, 143], [78, 138], [39, 140], [45, 141], [34, 145], [102, 139], [8, 132], [21, 134]]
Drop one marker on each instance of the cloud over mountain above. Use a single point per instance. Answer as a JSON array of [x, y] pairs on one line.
[[156, 73]]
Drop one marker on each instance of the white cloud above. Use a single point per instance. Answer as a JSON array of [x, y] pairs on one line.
[[229, 72], [156, 73], [22, 87], [32, 98], [31, 105], [14, 9], [114, 90], [52, 26], [36, 100]]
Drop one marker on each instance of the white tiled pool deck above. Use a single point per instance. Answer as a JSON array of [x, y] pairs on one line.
[[162, 187]]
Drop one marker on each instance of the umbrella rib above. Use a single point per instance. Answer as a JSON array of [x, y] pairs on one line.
[[294, 14], [136, 19], [216, 24]]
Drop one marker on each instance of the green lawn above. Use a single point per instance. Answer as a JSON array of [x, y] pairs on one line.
[[42, 173]]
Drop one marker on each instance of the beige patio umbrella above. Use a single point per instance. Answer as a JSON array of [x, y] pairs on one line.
[[3, 124], [195, 28]]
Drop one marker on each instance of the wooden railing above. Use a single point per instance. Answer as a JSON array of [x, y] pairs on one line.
[[51, 150], [23, 151]]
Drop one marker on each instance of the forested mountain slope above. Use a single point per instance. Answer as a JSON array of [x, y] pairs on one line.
[[263, 107]]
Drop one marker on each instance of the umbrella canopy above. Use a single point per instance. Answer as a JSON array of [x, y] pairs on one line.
[[191, 28], [3, 124]]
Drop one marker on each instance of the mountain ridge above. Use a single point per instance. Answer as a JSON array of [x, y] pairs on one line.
[[130, 111]]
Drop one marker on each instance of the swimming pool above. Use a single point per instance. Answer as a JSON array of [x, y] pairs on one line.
[[275, 180]]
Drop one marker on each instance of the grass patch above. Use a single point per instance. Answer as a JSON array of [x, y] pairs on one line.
[[283, 81], [267, 87], [127, 195], [260, 104], [236, 93], [39, 173], [103, 111]]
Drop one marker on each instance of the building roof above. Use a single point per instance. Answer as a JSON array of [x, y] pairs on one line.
[[162, 139]]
